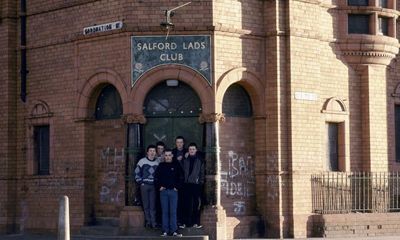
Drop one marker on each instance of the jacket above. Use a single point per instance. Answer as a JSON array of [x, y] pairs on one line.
[[197, 174], [169, 175]]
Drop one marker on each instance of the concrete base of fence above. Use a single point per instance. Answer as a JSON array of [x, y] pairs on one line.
[[356, 225]]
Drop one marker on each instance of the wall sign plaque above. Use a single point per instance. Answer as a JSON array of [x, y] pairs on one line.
[[193, 51]]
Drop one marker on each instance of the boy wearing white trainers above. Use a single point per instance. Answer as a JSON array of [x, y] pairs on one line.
[[168, 178], [193, 168]]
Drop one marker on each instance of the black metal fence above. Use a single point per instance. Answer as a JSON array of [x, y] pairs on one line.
[[345, 192]]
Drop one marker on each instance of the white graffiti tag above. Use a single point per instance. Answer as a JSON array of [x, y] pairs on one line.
[[239, 207], [239, 179], [112, 176]]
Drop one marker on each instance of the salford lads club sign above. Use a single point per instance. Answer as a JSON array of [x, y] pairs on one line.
[[189, 50]]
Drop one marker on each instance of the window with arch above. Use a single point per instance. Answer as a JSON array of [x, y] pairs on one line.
[[172, 101], [109, 104], [236, 102], [172, 110]]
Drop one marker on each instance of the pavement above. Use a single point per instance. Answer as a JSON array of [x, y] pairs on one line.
[[54, 237], [28, 237]]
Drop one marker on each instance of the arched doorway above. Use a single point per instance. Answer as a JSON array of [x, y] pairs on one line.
[[238, 192], [105, 196], [172, 109]]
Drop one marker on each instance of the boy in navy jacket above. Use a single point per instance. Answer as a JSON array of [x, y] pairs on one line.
[[168, 179]]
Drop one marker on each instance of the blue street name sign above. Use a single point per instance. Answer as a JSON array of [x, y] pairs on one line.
[[193, 51]]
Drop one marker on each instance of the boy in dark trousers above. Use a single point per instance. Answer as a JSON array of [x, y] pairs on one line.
[[179, 153], [144, 176], [168, 179], [193, 167]]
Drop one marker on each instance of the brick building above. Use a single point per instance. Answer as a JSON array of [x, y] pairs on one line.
[[293, 103]]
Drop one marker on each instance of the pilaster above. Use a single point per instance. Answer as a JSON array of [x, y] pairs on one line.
[[374, 117], [214, 216]]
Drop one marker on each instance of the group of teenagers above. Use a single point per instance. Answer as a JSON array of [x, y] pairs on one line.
[[176, 176]]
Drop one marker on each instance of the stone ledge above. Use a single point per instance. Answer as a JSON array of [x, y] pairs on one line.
[[356, 224]]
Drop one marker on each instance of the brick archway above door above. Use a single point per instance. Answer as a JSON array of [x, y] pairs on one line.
[[165, 72], [247, 79], [85, 93]]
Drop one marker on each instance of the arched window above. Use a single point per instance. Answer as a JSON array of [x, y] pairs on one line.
[[236, 102], [171, 111], [109, 104], [174, 101]]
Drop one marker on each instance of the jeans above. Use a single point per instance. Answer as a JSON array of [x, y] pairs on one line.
[[169, 204], [149, 203]]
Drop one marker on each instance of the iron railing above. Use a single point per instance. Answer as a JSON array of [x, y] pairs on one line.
[[345, 192]]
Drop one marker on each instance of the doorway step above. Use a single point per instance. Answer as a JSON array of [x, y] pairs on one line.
[[107, 233], [137, 237], [130, 226], [102, 227]]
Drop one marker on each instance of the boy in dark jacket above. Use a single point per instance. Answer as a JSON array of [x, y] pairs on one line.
[[193, 167], [168, 179]]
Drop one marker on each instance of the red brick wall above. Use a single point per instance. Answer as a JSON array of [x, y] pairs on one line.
[[38, 203], [109, 166], [8, 116], [238, 190], [290, 46]]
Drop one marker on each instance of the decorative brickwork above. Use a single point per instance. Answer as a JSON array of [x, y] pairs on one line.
[[134, 118]]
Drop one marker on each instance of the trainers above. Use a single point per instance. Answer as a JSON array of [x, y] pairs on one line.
[[164, 234], [182, 226], [197, 226], [175, 234]]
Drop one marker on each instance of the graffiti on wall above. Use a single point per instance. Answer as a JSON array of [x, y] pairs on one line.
[[112, 157], [238, 182], [111, 177], [239, 207]]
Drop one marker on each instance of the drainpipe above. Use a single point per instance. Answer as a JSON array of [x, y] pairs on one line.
[[23, 70]]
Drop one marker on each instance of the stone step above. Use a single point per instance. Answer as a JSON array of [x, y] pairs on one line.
[[88, 237], [111, 232], [192, 231], [107, 221], [100, 230], [156, 232]]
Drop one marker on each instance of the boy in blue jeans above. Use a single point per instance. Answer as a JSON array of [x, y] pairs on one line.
[[168, 179]]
